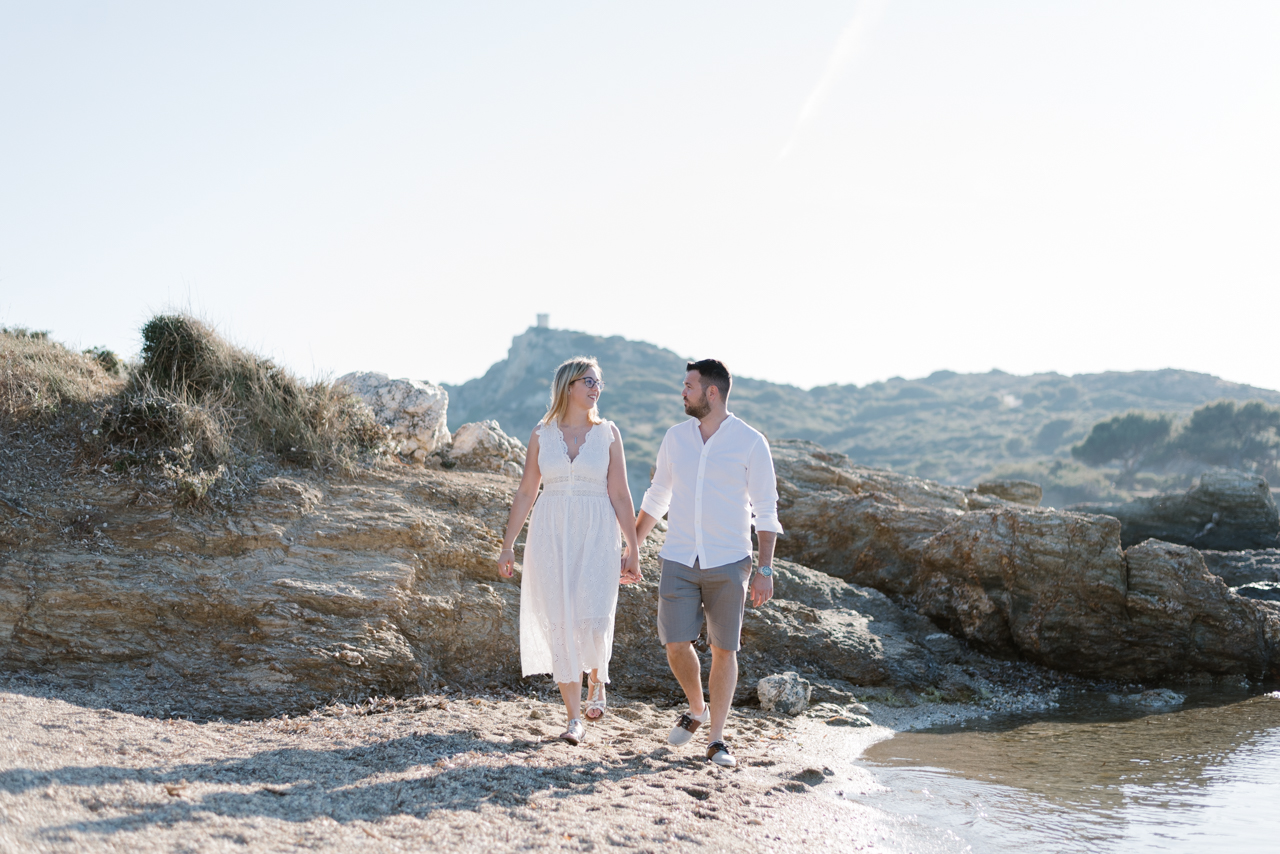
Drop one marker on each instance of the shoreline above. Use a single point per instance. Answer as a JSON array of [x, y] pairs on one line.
[[460, 771]]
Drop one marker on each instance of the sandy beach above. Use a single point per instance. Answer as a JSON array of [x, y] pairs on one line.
[[452, 771]]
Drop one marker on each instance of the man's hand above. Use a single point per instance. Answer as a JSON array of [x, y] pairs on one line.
[[630, 567], [761, 589]]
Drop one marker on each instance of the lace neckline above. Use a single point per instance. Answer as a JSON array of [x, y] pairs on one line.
[[586, 440]]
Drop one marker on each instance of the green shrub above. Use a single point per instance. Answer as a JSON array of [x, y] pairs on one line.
[[1129, 439], [107, 360], [1240, 436]]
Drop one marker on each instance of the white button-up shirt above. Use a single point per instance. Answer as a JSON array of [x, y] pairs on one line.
[[713, 489]]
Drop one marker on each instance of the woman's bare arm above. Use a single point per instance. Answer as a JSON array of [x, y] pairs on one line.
[[623, 508], [525, 495]]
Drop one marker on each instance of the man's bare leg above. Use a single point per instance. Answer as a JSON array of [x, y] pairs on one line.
[[688, 672], [722, 682]]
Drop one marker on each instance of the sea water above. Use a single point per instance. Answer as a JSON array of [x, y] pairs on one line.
[[1092, 776]]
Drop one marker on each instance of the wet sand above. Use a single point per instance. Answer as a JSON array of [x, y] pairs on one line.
[[452, 772]]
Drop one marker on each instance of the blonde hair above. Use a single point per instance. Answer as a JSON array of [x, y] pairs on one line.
[[569, 372]]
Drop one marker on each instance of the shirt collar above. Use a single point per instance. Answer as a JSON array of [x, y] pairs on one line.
[[697, 427]]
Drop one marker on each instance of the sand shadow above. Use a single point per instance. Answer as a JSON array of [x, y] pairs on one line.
[[300, 785]]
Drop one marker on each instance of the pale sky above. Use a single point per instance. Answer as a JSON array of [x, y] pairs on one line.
[[814, 192]]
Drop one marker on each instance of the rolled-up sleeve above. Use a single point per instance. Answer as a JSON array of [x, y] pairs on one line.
[[657, 498], [762, 489]]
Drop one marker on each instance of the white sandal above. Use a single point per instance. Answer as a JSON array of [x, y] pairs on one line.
[[575, 733], [595, 700]]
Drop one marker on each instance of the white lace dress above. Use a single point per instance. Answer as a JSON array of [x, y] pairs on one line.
[[572, 559]]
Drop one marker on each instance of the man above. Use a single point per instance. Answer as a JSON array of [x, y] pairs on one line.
[[714, 473]]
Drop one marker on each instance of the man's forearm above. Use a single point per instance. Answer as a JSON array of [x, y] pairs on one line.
[[644, 524], [767, 540]]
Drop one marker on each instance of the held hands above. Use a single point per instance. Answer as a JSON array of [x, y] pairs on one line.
[[507, 563], [761, 589], [630, 566]]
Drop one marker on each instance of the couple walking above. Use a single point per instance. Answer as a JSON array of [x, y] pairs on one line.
[[714, 479]]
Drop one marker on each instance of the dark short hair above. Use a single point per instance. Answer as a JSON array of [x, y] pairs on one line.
[[714, 373]]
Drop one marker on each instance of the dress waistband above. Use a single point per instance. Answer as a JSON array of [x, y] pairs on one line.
[[577, 490]]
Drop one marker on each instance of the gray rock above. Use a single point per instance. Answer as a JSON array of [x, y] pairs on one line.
[[784, 692], [1265, 591], [1244, 567], [1157, 698], [415, 412], [1227, 511], [483, 445]]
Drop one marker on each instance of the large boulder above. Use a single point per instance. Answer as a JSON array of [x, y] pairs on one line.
[[1226, 511], [1177, 611], [860, 524], [415, 412], [483, 445], [1051, 586]]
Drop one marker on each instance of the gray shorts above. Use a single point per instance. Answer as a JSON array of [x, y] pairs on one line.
[[686, 593]]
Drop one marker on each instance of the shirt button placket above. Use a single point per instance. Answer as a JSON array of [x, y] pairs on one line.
[[697, 506]]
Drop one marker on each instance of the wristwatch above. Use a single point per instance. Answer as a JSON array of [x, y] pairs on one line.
[[766, 571]]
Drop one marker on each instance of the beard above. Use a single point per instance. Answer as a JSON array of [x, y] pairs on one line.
[[699, 408]]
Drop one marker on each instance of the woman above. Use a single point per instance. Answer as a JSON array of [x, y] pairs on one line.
[[572, 558]]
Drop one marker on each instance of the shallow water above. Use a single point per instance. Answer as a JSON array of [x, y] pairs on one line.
[[1091, 777]]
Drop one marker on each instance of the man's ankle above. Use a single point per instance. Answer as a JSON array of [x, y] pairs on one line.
[[702, 715]]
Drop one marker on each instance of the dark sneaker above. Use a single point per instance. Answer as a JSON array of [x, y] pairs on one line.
[[718, 752], [686, 727]]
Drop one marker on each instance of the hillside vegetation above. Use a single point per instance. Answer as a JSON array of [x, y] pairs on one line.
[[956, 428], [196, 416], [41, 379]]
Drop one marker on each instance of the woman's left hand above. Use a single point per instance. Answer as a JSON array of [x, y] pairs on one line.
[[630, 566]]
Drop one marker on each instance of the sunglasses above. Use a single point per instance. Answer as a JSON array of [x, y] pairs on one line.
[[591, 382]]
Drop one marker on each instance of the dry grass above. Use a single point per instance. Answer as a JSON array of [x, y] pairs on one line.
[[40, 378], [205, 416], [198, 403]]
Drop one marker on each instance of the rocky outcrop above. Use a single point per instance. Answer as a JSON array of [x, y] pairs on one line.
[[381, 582], [1051, 586], [415, 412], [1227, 511], [313, 589], [815, 622], [484, 446], [857, 523], [1180, 612]]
